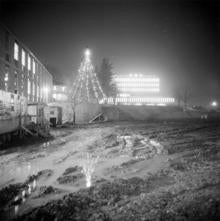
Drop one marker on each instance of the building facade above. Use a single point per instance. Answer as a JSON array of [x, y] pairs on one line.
[[20, 70], [139, 89], [137, 85], [61, 93]]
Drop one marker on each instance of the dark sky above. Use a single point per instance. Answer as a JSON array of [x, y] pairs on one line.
[[176, 40]]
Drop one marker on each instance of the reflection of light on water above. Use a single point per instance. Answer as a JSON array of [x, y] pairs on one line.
[[16, 209], [23, 193], [46, 144], [89, 167], [21, 198], [29, 189], [34, 184]]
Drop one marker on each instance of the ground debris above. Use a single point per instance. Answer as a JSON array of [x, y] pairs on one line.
[[144, 171], [72, 170], [46, 190], [8, 194], [43, 174], [70, 179]]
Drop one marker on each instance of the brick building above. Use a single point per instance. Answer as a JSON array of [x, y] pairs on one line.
[[20, 70]]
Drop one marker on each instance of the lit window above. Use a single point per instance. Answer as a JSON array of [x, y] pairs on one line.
[[33, 93], [29, 87], [38, 91], [34, 66], [16, 51], [59, 96], [6, 77], [15, 78], [23, 57], [29, 62]]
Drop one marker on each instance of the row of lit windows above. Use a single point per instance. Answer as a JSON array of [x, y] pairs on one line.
[[58, 96], [139, 89], [145, 79], [59, 88], [138, 84], [142, 100], [139, 75], [24, 61], [30, 92], [135, 75], [33, 89]]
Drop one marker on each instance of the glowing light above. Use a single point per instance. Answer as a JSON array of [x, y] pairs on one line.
[[214, 103], [29, 62], [124, 95], [140, 89], [6, 78], [23, 193], [16, 51], [89, 167], [133, 79], [29, 189], [160, 101], [87, 55], [16, 209], [86, 85], [34, 66], [45, 90], [34, 184], [23, 57], [87, 52], [138, 83]]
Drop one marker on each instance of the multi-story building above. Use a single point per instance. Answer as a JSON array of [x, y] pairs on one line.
[[61, 104], [137, 85], [20, 70], [61, 93], [139, 89]]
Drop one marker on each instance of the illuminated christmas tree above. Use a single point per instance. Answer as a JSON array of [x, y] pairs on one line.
[[86, 87]]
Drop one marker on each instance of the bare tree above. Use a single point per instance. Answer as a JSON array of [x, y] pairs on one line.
[[183, 96], [186, 96]]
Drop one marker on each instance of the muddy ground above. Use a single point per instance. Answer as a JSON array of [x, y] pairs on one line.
[[139, 171]]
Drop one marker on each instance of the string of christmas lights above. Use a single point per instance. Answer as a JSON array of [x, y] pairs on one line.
[[86, 87]]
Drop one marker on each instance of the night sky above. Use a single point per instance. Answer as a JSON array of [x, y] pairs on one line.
[[176, 40]]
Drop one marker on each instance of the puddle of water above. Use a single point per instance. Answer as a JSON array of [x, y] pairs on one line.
[[16, 209]]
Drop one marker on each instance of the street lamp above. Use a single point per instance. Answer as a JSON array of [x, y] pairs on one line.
[[214, 104]]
